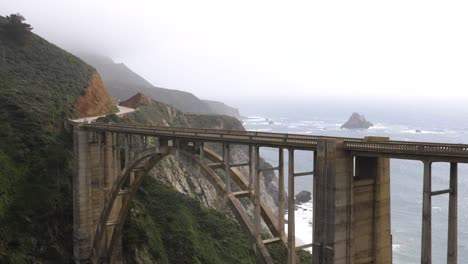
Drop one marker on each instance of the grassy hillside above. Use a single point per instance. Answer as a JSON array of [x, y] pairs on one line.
[[39, 84], [168, 227]]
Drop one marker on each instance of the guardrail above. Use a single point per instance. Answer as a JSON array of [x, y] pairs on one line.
[[288, 140]]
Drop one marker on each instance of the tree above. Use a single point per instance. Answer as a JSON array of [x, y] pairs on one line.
[[14, 28]]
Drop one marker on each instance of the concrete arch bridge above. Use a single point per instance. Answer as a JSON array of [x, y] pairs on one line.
[[351, 188]]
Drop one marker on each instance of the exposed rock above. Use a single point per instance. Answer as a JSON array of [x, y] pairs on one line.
[[357, 121], [96, 100], [136, 101], [303, 197], [181, 173]]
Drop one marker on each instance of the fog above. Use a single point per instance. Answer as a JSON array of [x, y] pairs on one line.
[[228, 50]]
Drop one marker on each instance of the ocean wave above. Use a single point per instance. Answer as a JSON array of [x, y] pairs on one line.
[[378, 126], [255, 119]]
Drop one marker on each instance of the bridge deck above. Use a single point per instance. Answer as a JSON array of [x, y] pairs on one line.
[[383, 148]]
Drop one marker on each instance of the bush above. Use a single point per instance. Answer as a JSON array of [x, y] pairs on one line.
[[13, 28]]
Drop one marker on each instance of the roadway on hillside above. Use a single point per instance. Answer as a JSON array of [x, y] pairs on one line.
[[122, 110]]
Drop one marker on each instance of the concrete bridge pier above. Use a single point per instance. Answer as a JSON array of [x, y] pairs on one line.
[[351, 207], [97, 165]]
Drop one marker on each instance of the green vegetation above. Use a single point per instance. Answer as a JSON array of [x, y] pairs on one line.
[[38, 83], [176, 229], [214, 121], [14, 29]]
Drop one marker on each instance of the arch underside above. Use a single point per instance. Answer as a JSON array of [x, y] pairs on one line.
[[145, 162]]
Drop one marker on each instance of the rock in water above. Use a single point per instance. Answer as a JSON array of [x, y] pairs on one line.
[[357, 121], [303, 197]]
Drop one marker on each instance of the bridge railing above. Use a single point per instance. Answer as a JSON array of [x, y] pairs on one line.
[[294, 140], [403, 147], [285, 138]]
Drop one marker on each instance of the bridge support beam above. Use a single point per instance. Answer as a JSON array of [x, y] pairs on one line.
[[291, 211], [453, 215], [333, 184], [426, 233], [257, 195], [227, 167], [371, 228], [281, 192]]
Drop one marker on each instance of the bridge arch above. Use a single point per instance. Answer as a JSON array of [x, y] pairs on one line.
[[145, 160], [103, 250]]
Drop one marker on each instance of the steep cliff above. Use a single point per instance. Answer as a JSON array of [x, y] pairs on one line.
[[96, 100], [183, 177], [221, 108]]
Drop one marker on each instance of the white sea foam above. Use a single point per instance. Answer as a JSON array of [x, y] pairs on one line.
[[303, 224], [378, 126]]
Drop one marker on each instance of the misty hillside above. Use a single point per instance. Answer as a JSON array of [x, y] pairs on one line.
[[223, 109], [124, 83], [41, 85]]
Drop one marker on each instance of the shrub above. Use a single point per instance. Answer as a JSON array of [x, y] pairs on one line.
[[13, 28]]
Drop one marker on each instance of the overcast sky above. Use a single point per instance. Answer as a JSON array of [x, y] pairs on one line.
[[220, 49]]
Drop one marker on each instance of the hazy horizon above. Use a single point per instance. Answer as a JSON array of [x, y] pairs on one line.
[[230, 51]]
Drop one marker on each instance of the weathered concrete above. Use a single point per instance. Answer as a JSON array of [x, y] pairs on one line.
[[352, 214], [371, 211], [81, 198], [97, 164], [351, 189]]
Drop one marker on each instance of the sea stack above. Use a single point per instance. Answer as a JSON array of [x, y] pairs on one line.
[[303, 197], [357, 121]]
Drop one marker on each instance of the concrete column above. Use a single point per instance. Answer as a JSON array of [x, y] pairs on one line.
[[257, 194], [281, 192], [426, 234], [371, 204], [291, 207], [252, 166], [227, 166], [333, 203], [453, 215], [202, 151], [81, 197]]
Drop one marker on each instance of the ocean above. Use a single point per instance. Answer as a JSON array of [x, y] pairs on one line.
[[432, 121]]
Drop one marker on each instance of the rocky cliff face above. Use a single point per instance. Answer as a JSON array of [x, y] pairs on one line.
[[96, 100], [180, 173]]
